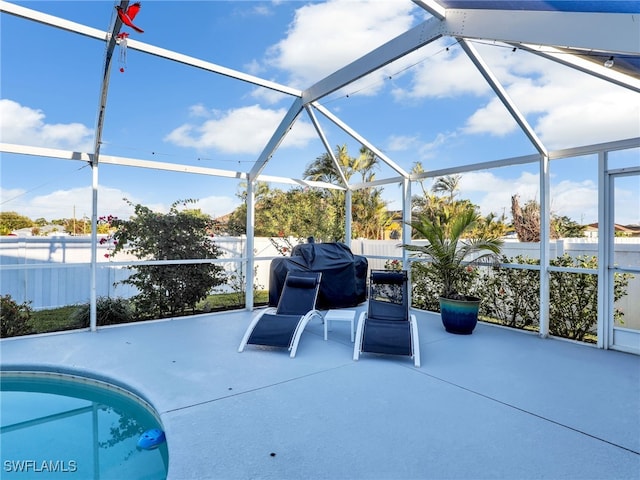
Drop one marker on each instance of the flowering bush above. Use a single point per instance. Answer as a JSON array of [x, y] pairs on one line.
[[105, 225], [395, 265], [283, 244], [14, 317], [176, 235]]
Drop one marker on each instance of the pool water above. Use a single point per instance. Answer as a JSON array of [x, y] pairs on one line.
[[60, 426]]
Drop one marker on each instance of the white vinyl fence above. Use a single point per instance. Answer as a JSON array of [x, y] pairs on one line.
[[51, 272]]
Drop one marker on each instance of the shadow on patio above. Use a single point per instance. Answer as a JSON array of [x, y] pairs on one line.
[[496, 404]]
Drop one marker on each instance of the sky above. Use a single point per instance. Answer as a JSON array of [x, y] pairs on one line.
[[432, 106]]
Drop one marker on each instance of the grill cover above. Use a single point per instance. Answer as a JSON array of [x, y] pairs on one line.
[[344, 275]]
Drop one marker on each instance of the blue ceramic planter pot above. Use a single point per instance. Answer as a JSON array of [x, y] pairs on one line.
[[459, 316]]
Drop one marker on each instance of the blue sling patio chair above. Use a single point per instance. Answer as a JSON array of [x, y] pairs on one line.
[[387, 327], [283, 326]]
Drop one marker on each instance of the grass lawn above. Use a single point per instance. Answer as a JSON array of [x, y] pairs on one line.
[[58, 319], [52, 320]]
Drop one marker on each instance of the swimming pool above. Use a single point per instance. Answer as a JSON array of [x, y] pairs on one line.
[[65, 426]]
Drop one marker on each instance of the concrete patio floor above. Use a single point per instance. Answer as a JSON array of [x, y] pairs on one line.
[[496, 404]]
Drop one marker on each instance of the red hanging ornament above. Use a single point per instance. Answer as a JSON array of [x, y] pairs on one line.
[[122, 43]]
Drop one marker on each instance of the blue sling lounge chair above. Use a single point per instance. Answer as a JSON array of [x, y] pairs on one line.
[[387, 327], [283, 326]]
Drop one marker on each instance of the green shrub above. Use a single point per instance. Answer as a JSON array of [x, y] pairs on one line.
[[512, 296], [109, 311], [574, 297], [427, 285], [14, 317], [168, 290]]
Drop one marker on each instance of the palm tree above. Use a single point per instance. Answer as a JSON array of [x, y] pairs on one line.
[[449, 184], [323, 168], [448, 250], [369, 210]]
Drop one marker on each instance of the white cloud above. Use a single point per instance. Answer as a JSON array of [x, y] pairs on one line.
[[61, 203], [401, 143], [442, 74], [493, 119], [493, 194], [576, 200], [217, 206], [262, 10], [199, 110], [422, 149], [244, 130], [65, 203], [268, 96], [26, 126], [593, 117], [564, 107], [324, 37]]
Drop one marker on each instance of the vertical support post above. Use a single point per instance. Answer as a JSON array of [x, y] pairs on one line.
[[102, 107], [347, 217], [605, 231], [251, 208], [93, 300], [406, 233], [406, 217], [545, 220]]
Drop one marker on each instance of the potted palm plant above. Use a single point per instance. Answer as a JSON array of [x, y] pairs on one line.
[[451, 253]]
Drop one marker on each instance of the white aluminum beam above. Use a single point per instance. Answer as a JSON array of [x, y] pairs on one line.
[[545, 248], [348, 217], [378, 183], [615, 33], [45, 152], [121, 161], [278, 135], [356, 136], [102, 108], [403, 44], [303, 183], [605, 234], [51, 20], [406, 228], [433, 7], [74, 27], [583, 65], [176, 167], [508, 162], [172, 167], [249, 254], [598, 147], [210, 67], [502, 95], [327, 147]]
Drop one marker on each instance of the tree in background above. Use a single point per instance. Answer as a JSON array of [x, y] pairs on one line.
[[440, 201], [567, 228], [526, 222], [448, 185], [298, 212], [176, 235], [280, 213], [369, 210], [307, 212], [10, 221]]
